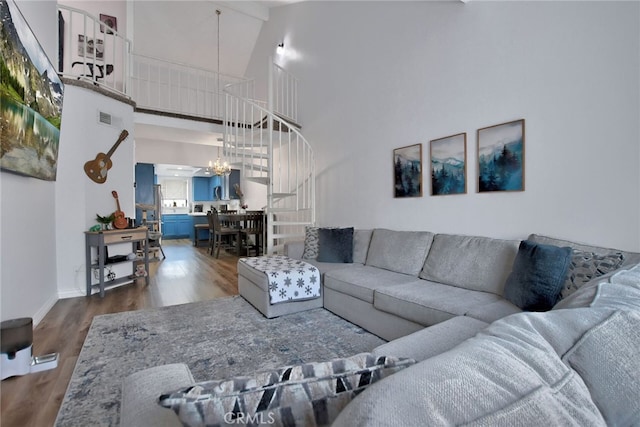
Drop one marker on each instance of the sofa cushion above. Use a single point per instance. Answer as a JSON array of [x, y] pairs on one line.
[[361, 241], [508, 374], [361, 281], [301, 395], [476, 263], [428, 303], [607, 360], [493, 311], [586, 266], [399, 251], [538, 274], [335, 245], [140, 389], [311, 246]]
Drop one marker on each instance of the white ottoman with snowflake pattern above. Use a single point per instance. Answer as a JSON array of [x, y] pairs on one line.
[[278, 285]]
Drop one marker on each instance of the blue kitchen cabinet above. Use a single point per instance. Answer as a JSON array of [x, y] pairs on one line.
[[176, 226], [201, 186]]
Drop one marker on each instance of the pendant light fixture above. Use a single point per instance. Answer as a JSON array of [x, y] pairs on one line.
[[220, 168]]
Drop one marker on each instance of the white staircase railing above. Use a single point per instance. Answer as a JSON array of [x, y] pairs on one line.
[[271, 150], [92, 51], [283, 92]]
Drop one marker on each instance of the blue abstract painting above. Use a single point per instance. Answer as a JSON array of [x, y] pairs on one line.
[[501, 157], [407, 166], [449, 165]]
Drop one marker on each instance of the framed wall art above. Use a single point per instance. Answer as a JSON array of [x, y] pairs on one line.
[[30, 100], [449, 165], [110, 21], [501, 157], [86, 44], [407, 167]]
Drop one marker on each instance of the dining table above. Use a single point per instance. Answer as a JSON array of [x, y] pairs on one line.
[[237, 221]]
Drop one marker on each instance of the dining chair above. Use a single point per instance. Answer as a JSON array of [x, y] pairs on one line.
[[253, 226], [219, 232]]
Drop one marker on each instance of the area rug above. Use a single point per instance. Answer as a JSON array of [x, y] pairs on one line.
[[217, 339]]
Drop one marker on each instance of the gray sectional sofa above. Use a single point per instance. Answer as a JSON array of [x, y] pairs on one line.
[[439, 300], [401, 281]]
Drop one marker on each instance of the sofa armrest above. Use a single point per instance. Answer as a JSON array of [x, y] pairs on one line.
[[294, 249], [432, 341], [140, 392]]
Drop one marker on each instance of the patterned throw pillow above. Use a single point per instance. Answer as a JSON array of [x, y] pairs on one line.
[[311, 245], [588, 265], [303, 395]]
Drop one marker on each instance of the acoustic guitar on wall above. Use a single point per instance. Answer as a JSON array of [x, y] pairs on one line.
[[119, 220], [97, 168]]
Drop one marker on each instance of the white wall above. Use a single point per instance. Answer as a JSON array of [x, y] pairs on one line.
[[78, 199], [380, 75], [27, 209], [42, 223]]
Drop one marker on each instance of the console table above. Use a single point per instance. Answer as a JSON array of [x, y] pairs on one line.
[[100, 240]]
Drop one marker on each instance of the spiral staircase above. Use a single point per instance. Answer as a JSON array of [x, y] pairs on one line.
[[266, 144]]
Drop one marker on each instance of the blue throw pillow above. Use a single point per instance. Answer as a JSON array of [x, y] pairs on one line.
[[335, 245], [538, 275]]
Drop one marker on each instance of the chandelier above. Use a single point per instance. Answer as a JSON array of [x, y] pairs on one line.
[[220, 168]]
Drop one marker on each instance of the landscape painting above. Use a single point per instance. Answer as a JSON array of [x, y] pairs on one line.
[[407, 165], [31, 100], [501, 157], [449, 165]]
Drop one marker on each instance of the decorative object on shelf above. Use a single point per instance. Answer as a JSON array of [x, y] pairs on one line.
[[29, 136], [111, 23], [140, 271], [105, 221], [407, 165], [501, 157], [97, 168], [449, 165], [119, 220]]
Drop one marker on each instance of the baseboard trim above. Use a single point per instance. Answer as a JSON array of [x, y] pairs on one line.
[[71, 293], [48, 305]]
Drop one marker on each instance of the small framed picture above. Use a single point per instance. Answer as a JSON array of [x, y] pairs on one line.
[[407, 166], [85, 44], [449, 165], [501, 157], [110, 21]]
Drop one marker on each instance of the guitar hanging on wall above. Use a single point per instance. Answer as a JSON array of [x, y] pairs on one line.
[[97, 168]]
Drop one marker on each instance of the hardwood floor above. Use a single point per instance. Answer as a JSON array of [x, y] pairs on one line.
[[188, 274]]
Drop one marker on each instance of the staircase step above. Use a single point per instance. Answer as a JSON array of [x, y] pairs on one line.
[[250, 166], [259, 179], [282, 195], [282, 223]]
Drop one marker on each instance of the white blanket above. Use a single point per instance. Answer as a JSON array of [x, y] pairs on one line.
[[289, 279]]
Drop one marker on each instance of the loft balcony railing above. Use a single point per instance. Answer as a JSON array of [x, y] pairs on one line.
[[172, 87], [92, 51]]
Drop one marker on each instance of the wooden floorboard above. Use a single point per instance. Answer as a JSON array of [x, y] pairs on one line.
[[188, 274]]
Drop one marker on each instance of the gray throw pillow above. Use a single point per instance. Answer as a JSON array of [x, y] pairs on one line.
[[335, 245], [310, 243], [301, 395], [586, 266], [537, 276]]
